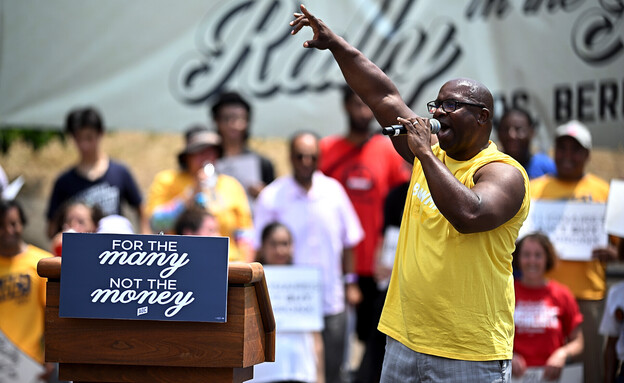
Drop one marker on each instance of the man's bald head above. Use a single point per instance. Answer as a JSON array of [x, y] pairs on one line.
[[466, 124], [474, 91]]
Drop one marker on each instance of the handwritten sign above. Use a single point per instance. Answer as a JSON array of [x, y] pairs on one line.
[[575, 228], [295, 293], [155, 277], [244, 167], [614, 220]]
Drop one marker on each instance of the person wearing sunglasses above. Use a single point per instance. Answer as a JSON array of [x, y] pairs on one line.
[[325, 229], [448, 315]]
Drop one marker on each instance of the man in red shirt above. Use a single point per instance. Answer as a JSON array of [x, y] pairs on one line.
[[367, 166]]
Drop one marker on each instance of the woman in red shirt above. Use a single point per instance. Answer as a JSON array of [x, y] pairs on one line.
[[547, 317]]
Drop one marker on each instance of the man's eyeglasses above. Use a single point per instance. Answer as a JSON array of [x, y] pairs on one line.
[[448, 105]]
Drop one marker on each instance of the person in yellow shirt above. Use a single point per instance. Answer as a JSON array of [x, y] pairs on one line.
[[448, 315], [22, 291], [197, 183], [586, 279]]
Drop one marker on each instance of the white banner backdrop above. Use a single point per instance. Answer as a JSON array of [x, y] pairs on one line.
[[157, 64]]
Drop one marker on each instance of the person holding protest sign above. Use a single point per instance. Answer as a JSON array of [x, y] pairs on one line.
[[325, 228], [586, 278], [547, 317], [449, 309], [22, 297], [298, 354], [231, 114], [197, 183]]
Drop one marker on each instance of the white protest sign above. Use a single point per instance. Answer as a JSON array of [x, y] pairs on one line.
[[575, 228], [295, 293], [614, 220], [15, 366], [244, 167]]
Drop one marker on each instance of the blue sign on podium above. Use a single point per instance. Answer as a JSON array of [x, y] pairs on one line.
[[146, 277]]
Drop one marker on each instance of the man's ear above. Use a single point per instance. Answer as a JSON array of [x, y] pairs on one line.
[[484, 115]]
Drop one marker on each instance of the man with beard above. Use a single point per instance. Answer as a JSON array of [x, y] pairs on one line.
[[367, 166], [448, 314]]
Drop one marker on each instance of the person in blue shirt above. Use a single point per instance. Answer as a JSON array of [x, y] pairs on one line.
[[96, 179], [516, 130]]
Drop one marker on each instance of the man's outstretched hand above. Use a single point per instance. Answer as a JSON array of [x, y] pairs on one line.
[[323, 36]]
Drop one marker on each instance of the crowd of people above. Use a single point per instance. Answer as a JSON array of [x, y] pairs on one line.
[[461, 293]]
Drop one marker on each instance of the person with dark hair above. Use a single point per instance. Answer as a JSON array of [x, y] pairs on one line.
[[547, 317], [22, 291], [231, 114], [516, 130], [276, 244], [74, 216], [198, 184], [367, 166], [197, 221], [96, 179], [448, 314], [79, 217], [298, 354], [325, 227]]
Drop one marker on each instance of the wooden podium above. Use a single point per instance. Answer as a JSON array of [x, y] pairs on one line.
[[103, 350]]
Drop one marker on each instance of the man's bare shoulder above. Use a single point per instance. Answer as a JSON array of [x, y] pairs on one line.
[[499, 169], [503, 174]]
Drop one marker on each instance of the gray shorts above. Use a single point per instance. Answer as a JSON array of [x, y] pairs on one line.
[[404, 365]]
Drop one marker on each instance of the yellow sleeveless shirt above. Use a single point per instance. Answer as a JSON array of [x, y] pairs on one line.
[[452, 294]]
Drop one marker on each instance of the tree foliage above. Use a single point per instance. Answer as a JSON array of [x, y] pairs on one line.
[[36, 138]]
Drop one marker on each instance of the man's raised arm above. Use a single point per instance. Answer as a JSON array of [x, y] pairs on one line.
[[363, 76]]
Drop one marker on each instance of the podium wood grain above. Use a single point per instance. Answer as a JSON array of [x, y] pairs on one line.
[[103, 350]]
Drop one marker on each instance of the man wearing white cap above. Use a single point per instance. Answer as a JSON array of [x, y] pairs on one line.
[[586, 279]]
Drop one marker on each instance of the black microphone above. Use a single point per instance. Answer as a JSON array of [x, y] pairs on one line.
[[395, 130]]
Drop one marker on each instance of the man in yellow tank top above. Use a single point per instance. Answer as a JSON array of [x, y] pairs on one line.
[[449, 310]]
